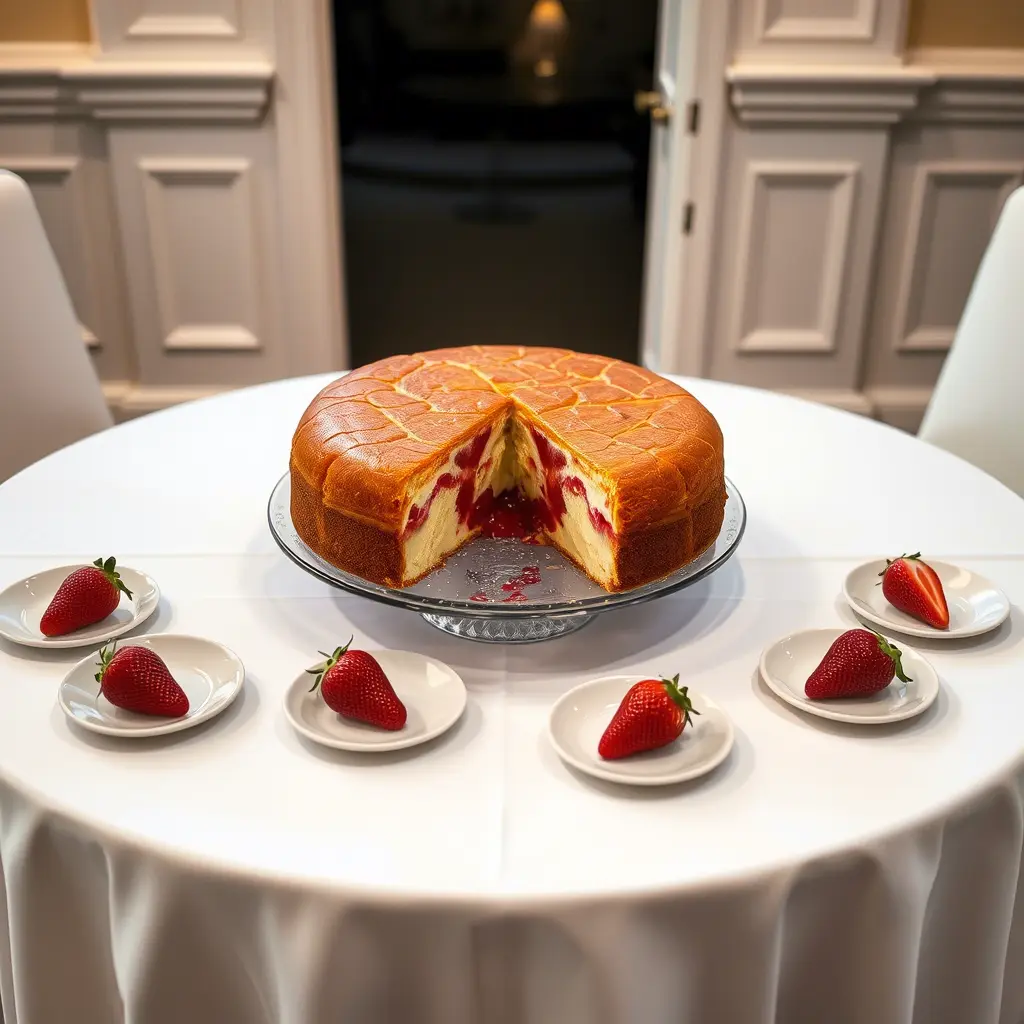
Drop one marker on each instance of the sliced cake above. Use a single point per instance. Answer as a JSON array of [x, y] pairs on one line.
[[397, 464]]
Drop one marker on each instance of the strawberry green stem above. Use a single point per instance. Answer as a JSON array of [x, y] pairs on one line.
[[915, 557], [113, 576], [106, 657], [325, 666], [680, 696], [892, 651]]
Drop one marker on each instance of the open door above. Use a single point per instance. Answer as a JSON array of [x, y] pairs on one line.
[[675, 113]]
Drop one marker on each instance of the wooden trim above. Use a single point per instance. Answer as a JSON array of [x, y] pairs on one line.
[[688, 351], [126, 399], [837, 398], [858, 27], [843, 175], [900, 407], [42, 82], [306, 137], [824, 94], [1003, 176], [969, 88]]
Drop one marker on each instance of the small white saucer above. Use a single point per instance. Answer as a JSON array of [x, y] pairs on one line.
[[786, 664], [210, 674], [22, 605], [434, 696], [580, 717], [975, 605]]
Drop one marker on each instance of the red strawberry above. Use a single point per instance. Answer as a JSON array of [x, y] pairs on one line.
[[858, 663], [136, 679], [653, 713], [86, 596], [914, 587], [353, 684]]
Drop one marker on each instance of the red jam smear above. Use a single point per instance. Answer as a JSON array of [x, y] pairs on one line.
[[550, 456], [418, 514], [470, 456], [511, 514], [515, 598], [529, 577], [464, 499], [468, 460], [600, 521], [479, 596]]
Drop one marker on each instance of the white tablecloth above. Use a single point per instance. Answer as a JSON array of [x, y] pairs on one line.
[[235, 873]]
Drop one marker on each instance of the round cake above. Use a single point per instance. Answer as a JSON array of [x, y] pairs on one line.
[[397, 464]]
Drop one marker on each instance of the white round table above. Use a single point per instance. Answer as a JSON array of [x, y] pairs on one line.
[[235, 872]]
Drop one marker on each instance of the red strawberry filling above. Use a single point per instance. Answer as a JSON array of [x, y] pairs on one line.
[[511, 513]]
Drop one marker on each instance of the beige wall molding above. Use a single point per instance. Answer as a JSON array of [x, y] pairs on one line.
[[936, 138], [825, 193], [127, 399], [70, 82], [801, 31], [951, 91], [824, 95], [899, 407]]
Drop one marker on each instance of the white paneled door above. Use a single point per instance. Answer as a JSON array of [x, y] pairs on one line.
[[674, 111]]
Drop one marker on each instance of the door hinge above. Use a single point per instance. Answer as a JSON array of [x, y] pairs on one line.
[[693, 116], [687, 218]]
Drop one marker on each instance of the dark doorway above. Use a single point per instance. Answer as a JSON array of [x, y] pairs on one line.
[[494, 171]]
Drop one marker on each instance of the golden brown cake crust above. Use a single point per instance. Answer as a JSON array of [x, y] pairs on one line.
[[369, 436], [398, 419]]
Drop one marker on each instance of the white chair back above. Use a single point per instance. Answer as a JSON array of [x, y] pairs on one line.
[[49, 393], [977, 408]]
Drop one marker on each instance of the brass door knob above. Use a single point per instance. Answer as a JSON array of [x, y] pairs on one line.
[[650, 102]]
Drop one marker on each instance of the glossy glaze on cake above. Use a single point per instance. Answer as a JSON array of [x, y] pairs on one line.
[[398, 463]]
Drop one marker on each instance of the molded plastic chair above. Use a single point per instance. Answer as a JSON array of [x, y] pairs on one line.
[[977, 408], [49, 393]]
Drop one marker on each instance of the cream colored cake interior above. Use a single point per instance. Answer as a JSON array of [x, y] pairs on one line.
[[576, 534], [442, 532], [510, 461]]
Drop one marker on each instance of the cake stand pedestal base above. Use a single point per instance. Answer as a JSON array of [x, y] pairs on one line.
[[508, 630]]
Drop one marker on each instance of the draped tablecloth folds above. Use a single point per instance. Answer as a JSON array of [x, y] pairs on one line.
[[236, 873]]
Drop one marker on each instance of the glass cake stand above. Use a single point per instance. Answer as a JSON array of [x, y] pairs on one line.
[[502, 590]]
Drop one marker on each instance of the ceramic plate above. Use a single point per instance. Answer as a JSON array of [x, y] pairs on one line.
[[975, 605], [787, 663], [580, 717], [433, 694], [22, 605], [209, 673]]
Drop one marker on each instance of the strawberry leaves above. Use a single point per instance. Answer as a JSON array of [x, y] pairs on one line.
[[680, 696], [106, 657], [890, 650], [113, 576], [330, 660]]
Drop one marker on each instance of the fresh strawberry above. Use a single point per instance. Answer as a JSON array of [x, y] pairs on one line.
[[353, 684], [136, 679], [858, 663], [86, 596], [914, 587], [653, 713]]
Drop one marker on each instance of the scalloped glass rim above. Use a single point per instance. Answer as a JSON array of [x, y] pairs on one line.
[[484, 553]]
